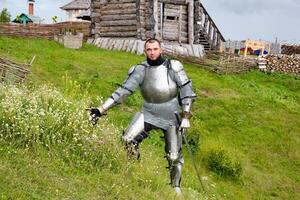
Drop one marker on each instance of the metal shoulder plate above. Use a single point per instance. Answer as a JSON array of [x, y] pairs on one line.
[[135, 67], [131, 70], [176, 66]]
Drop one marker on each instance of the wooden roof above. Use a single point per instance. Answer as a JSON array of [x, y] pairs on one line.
[[77, 5]]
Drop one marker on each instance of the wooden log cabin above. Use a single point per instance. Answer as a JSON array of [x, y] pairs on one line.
[[181, 22]]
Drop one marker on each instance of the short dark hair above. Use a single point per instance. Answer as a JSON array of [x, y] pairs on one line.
[[152, 40]]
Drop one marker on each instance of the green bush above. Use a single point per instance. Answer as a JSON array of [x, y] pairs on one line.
[[220, 163], [42, 117]]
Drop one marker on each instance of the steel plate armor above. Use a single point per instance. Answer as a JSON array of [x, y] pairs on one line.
[[167, 91]]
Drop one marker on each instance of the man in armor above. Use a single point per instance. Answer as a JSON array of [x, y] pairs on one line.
[[168, 96]]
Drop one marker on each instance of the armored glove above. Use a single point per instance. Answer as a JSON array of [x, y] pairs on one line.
[[95, 114], [185, 122]]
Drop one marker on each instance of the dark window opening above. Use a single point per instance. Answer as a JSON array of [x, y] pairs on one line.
[[171, 17]]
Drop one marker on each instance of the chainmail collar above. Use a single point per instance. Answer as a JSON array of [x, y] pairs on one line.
[[160, 60]]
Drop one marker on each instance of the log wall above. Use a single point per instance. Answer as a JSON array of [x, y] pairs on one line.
[[114, 18], [137, 47]]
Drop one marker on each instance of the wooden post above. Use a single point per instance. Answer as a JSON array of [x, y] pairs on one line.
[[205, 23], [179, 25], [190, 21], [161, 19], [155, 15], [214, 42]]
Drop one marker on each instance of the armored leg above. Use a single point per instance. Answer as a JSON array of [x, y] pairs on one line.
[[173, 146], [133, 135]]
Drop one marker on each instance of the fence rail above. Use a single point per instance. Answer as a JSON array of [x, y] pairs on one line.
[[12, 71], [45, 30]]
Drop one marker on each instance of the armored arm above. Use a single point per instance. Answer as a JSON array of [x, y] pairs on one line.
[[186, 94], [134, 79]]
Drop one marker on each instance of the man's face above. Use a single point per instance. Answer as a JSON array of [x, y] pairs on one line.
[[152, 50]]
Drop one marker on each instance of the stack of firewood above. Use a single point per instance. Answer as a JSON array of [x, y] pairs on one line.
[[283, 63], [12, 71], [290, 49]]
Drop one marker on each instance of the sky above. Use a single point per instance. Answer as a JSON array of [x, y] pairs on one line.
[[236, 19], [45, 9], [257, 19]]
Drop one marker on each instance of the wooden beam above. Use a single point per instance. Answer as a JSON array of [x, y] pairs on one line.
[[155, 15], [177, 2], [118, 17], [119, 6], [118, 23], [191, 21], [118, 12], [103, 29], [179, 24], [118, 34], [116, 1]]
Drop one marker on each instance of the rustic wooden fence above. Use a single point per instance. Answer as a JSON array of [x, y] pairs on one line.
[[45, 30], [12, 71]]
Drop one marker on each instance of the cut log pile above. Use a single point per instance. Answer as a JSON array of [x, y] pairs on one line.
[[283, 63], [12, 71], [290, 49]]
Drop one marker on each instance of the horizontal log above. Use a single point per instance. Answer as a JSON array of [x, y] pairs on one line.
[[174, 35], [177, 2], [119, 6], [176, 7], [118, 12], [118, 23], [171, 22], [172, 25], [116, 29], [116, 1], [173, 13], [118, 17], [119, 34]]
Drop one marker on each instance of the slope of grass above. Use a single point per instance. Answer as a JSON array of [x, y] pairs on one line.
[[252, 119]]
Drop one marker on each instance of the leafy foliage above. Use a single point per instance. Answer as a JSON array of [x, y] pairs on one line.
[[5, 16], [220, 163]]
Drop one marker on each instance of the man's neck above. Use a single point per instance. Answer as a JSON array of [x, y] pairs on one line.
[[160, 60]]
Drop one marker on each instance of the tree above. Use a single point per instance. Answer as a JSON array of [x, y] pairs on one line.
[[4, 16], [54, 19]]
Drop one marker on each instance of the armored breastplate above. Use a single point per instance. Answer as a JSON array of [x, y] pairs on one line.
[[158, 87]]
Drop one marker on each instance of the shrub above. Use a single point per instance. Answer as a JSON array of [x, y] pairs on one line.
[[220, 163], [43, 117]]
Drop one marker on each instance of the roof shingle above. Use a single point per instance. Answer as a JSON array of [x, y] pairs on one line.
[[77, 4]]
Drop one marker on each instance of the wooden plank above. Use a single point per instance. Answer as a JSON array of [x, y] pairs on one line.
[[118, 12], [175, 39], [118, 17], [170, 32], [119, 23], [180, 23], [190, 21], [176, 8], [119, 6], [115, 1], [171, 35], [177, 2], [173, 27], [155, 16], [104, 29], [119, 34], [161, 20], [183, 35]]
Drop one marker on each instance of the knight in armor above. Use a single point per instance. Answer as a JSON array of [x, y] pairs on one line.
[[168, 96]]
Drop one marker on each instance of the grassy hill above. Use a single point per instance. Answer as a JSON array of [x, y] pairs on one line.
[[245, 131]]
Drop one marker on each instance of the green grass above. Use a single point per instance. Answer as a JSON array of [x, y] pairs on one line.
[[253, 118]]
